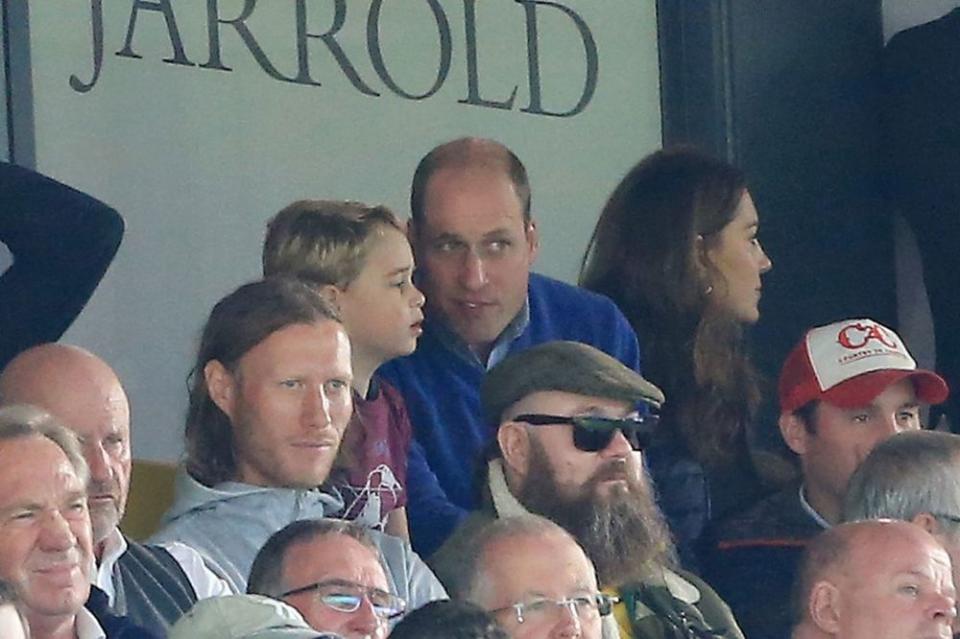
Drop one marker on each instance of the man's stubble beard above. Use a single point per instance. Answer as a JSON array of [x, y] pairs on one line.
[[622, 530]]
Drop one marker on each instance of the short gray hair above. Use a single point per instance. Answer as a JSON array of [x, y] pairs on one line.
[[472, 578], [266, 573], [906, 475], [22, 420]]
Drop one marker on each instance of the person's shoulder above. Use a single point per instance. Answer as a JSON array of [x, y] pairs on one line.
[[775, 520], [549, 295]]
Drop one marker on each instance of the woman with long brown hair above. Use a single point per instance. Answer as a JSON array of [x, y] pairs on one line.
[[676, 248]]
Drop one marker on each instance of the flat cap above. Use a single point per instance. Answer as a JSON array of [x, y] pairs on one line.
[[570, 367]]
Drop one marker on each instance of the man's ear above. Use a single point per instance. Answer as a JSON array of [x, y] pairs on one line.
[[533, 239], [221, 386], [824, 607], [794, 431], [514, 440]]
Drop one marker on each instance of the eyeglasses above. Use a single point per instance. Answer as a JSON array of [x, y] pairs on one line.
[[592, 434], [542, 610], [346, 596], [953, 519]]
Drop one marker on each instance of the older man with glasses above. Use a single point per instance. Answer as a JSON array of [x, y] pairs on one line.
[[533, 577], [571, 425], [330, 571]]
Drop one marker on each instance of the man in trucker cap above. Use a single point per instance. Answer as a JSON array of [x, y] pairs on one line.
[[844, 388]]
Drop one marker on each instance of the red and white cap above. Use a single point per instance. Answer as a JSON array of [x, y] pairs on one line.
[[848, 364]]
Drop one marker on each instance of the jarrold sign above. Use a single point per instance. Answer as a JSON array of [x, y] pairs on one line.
[[222, 24]]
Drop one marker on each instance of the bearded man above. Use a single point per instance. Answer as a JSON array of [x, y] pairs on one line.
[[572, 423]]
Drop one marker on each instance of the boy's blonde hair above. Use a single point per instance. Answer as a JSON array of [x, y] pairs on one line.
[[324, 241]]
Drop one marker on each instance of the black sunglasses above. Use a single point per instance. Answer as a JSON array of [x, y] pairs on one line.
[[592, 434]]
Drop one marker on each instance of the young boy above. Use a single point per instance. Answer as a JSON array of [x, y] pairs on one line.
[[359, 258]]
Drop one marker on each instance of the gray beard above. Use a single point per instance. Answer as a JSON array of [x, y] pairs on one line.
[[623, 532]]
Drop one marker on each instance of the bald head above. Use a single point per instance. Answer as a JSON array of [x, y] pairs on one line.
[[875, 580], [85, 395]]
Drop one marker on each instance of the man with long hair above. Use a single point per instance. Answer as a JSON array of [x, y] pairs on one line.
[[269, 402]]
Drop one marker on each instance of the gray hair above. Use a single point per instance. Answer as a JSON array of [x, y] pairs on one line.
[[266, 573], [472, 579], [906, 475], [22, 420]]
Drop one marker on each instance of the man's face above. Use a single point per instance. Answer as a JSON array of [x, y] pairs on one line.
[[896, 588], [474, 251], [544, 568], [100, 416], [46, 551], [612, 469], [843, 437], [602, 498], [339, 561], [289, 403]]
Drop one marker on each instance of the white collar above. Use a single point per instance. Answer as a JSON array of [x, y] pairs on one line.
[[113, 548], [823, 523], [87, 626]]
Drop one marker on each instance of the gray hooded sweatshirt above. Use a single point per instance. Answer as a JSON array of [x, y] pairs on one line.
[[229, 523]]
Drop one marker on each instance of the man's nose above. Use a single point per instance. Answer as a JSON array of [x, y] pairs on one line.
[[316, 408], [619, 445], [99, 462], [365, 622], [473, 273], [569, 623], [56, 534]]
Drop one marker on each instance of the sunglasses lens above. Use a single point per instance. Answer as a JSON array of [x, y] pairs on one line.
[[590, 439], [592, 434]]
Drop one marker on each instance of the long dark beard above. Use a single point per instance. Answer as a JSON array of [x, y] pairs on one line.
[[623, 532]]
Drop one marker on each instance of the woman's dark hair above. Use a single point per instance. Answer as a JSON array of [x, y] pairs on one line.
[[448, 619], [647, 253], [237, 323]]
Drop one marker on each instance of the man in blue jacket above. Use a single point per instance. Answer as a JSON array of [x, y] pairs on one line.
[[475, 241]]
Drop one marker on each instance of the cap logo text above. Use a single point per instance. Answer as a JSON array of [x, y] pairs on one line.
[[857, 335]]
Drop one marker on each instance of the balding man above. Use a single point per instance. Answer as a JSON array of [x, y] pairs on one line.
[[152, 585], [535, 579], [875, 580]]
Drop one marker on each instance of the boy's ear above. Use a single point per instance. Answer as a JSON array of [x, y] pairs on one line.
[[221, 386], [331, 293], [514, 440], [794, 431]]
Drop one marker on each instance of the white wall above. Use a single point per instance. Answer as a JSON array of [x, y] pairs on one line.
[[197, 159]]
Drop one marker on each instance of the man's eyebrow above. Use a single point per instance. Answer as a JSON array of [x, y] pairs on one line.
[[498, 232], [446, 236]]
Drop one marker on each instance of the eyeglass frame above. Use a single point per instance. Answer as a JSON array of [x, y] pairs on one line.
[[604, 604], [953, 519], [643, 427], [365, 591]]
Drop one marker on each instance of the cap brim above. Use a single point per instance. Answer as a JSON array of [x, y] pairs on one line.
[[863, 389]]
